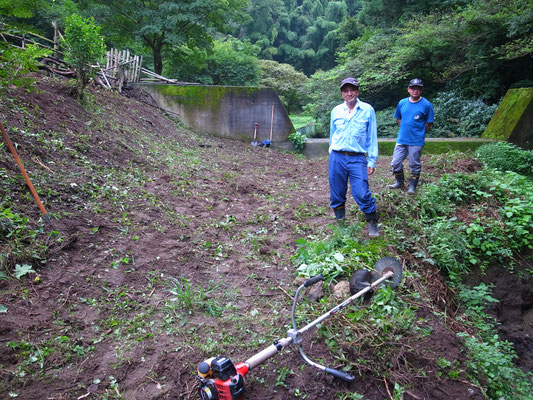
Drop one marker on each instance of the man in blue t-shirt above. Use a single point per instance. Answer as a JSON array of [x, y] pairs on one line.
[[414, 114]]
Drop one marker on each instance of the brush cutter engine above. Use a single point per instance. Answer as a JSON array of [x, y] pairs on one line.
[[220, 379]]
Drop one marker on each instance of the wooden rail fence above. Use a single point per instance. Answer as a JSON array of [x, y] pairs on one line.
[[120, 66]]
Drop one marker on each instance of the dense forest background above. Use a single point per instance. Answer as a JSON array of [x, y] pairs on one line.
[[469, 53]]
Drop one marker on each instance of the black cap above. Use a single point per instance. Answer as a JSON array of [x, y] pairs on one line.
[[416, 82], [350, 81]]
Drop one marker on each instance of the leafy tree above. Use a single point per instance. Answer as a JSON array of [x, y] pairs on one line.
[[233, 63], [301, 33], [19, 8], [84, 48], [228, 61], [474, 49], [289, 83], [161, 24]]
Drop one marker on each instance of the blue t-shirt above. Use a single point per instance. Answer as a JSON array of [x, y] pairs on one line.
[[414, 117]]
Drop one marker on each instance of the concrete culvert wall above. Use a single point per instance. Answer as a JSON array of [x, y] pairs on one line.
[[226, 111], [513, 120]]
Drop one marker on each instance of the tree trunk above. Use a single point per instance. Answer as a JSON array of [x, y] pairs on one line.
[[158, 60]]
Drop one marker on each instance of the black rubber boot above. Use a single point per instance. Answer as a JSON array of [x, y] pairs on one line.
[[413, 184], [372, 220], [399, 181], [340, 214]]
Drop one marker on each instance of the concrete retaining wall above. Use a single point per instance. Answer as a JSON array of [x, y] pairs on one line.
[[226, 111], [316, 148], [513, 120]]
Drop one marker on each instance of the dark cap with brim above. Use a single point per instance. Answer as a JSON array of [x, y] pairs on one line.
[[416, 82], [350, 81]]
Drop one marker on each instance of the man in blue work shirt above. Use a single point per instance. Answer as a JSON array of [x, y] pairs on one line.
[[353, 133], [414, 114]]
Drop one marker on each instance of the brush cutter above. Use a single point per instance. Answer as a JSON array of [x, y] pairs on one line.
[[220, 379]]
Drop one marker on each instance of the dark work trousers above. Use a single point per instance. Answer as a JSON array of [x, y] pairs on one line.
[[342, 168], [401, 151]]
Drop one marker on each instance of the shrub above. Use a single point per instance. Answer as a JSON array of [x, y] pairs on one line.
[[85, 47], [16, 63], [298, 139], [457, 116], [506, 157], [387, 125]]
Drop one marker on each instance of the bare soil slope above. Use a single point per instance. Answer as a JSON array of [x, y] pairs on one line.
[[165, 248]]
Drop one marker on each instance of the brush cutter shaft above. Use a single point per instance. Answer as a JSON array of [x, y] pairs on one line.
[[279, 345], [386, 276], [265, 354]]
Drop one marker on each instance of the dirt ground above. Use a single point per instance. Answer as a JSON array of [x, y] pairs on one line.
[[222, 218]]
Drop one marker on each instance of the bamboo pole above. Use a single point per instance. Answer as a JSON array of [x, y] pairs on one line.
[[24, 173]]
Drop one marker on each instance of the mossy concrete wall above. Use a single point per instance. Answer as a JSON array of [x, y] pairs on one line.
[[316, 148], [225, 111], [513, 120]]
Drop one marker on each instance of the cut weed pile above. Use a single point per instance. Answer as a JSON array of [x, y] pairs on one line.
[[166, 247]]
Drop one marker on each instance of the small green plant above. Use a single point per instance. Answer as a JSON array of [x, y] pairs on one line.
[[298, 139], [282, 377], [185, 297], [21, 244]]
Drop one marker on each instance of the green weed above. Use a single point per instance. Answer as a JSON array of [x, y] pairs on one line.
[[184, 297]]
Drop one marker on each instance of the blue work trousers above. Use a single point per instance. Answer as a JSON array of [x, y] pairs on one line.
[[342, 168], [401, 151]]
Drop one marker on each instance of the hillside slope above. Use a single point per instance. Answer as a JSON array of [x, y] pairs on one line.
[[166, 247]]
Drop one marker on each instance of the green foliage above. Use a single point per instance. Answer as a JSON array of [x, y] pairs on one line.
[[457, 116], [453, 244], [232, 63], [387, 125], [507, 157], [289, 83], [393, 49], [19, 8], [448, 247], [163, 26], [338, 255], [84, 48], [301, 120], [20, 244], [384, 326], [304, 35], [298, 139], [22, 270], [387, 312], [16, 63], [491, 360]]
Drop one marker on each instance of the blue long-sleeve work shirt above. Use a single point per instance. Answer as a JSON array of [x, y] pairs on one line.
[[355, 132]]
